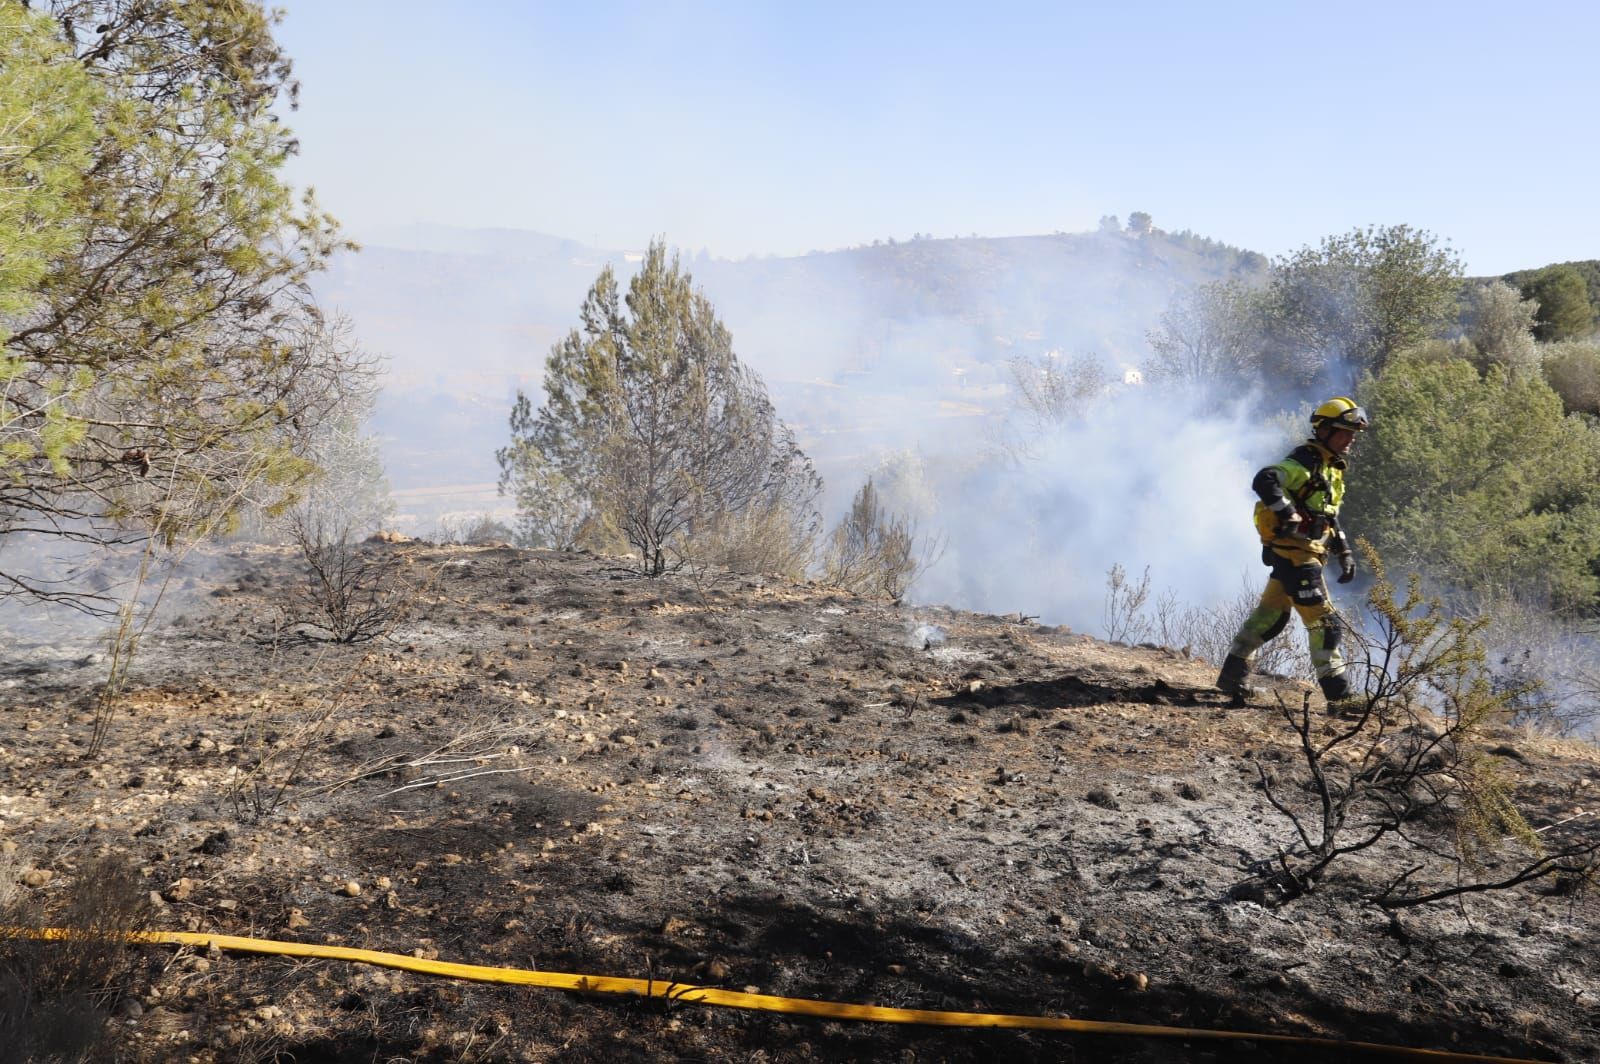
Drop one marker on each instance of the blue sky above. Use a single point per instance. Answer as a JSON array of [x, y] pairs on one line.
[[750, 128]]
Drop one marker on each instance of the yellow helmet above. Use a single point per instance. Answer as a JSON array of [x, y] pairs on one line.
[[1339, 413]]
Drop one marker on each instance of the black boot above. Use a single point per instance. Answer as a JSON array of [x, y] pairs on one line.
[[1231, 680], [1335, 688]]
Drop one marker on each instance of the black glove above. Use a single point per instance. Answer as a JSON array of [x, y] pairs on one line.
[[1347, 567], [1290, 523]]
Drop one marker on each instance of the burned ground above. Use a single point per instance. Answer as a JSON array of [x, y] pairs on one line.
[[732, 781]]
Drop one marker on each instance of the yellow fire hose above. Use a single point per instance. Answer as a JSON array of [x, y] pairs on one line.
[[707, 995]]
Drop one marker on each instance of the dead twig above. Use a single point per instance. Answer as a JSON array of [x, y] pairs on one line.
[[441, 781]]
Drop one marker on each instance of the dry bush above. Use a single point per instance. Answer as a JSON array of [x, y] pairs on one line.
[[874, 552], [776, 538], [1051, 390], [1208, 336], [1124, 609], [1406, 765], [476, 530], [353, 592], [1210, 633], [1047, 392], [55, 994], [1203, 632], [280, 742]]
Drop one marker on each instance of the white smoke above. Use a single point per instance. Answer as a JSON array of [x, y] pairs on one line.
[[1143, 479], [904, 348]]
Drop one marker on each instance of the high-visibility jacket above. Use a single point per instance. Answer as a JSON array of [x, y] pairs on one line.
[[1311, 480]]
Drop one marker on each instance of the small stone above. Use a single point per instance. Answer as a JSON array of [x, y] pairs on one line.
[[717, 971], [1066, 923], [351, 889], [1102, 798], [216, 843], [896, 969], [383, 883], [180, 890], [297, 920], [37, 877]]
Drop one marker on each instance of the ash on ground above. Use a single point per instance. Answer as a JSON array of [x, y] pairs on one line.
[[553, 763]]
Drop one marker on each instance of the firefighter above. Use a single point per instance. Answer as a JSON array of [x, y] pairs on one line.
[[1298, 520]]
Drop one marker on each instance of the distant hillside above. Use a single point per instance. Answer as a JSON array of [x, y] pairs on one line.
[[864, 348], [496, 243], [1095, 292], [1589, 268]]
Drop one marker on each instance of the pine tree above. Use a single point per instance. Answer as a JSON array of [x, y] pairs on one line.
[[656, 421], [163, 360]]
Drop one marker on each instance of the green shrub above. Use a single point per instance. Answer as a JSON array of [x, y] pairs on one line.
[[1480, 481]]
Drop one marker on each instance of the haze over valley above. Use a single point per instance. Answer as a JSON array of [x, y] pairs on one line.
[[866, 351]]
